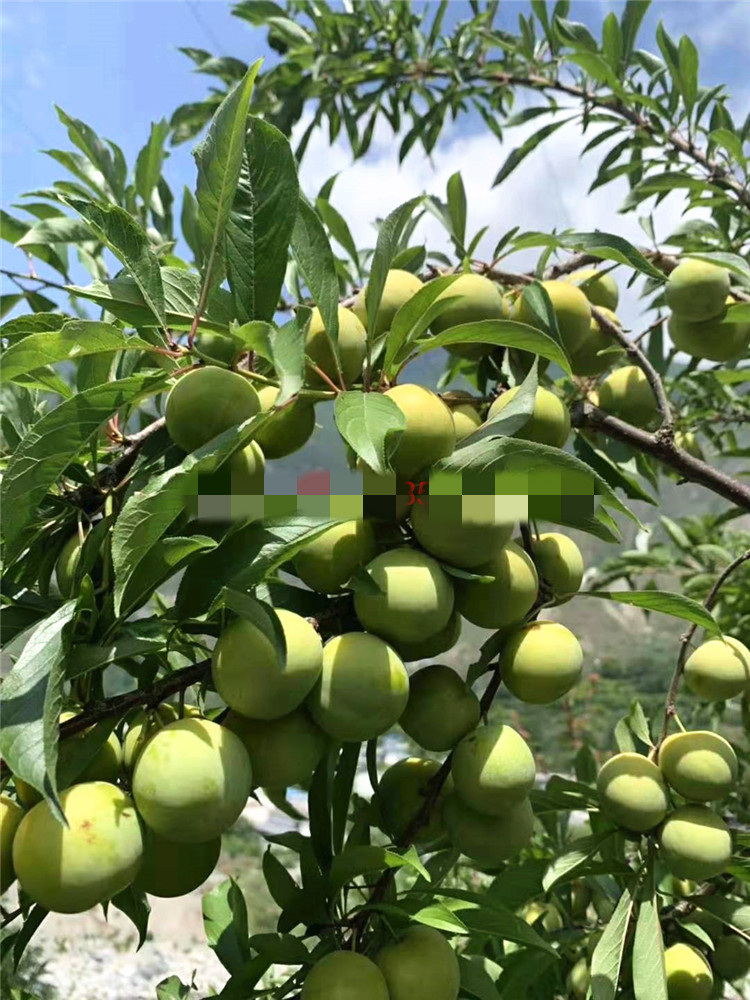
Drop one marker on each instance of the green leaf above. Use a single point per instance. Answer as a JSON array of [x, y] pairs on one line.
[[260, 614], [55, 440], [606, 961], [76, 339], [31, 702], [649, 976], [502, 923], [225, 924], [371, 424], [414, 318], [667, 603], [514, 414], [607, 246], [519, 154], [96, 151], [441, 918], [567, 864], [260, 222], [288, 355], [632, 16], [502, 333], [135, 906], [172, 988], [61, 229], [338, 228], [354, 862], [219, 161], [731, 261], [121, 234], [137, 639], [319, 811], [22, 326], [316, 262], [164, 559], [12, 230], [457, 207], [343, 783], [475, 978], [282, 887], [576, 34], [389, 235], [688, 61], [149, 162]]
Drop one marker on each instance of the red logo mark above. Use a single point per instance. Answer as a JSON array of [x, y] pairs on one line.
[[412, 487]]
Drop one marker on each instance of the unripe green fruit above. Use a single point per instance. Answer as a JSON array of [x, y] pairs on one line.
[[400, 286], [286, 430], [465, 415], [172, 869], [571, 308], [547, 914], [429, 434], [11, 815], [477, 299], [441, 709], [600, 289], [345, 975], [697, 290], [327, 563], [216, 347], [506, 600], [731, 959], [420, 966], [192, 780], [67, 564], [689, 443], [718, 669], [588, 359], [549, 422], [579, 978], [689, 975], [250, 678], [142, 727], [632, 792], [560, 562], [435, 644], [541, 662], [362, 690], [493, 768], [458, 533], [70, 869], [718, 338], [402, 791], [488, 840], [695, 843], [206, 402], [352, 349], [710, 924], [627, 394], [416, 596], [701, 766], [283, 752], [580, 897]]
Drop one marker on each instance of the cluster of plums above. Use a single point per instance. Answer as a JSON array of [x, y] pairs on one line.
[[697, 292]]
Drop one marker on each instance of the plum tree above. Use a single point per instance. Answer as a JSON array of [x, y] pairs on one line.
[[731, 958], [695, 843], [345, 975], [415, 600], [718, 338], [429, 433], [351, 346], [571, 308], [141, 728], [488, 840], [283, 751], [205, 403], [171, 868], [508, 598], [432, 645], [701, 765], [466, 416], [67, 565], [579, 978], [362, 690], [560, 562], [441, 708], [476, 299], [546, 915], [549, 422], [697, 290], [597, 350], [718, 669], [69, 869], [689, 975], [192, 780], [400, 286], [541, 662], [327, 562], [627, 394], [249, 674], [461, 533], [287, 429], [421, 965], [402, 790], [11, 815], [493, 768], [599, 287], [632, 792]]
